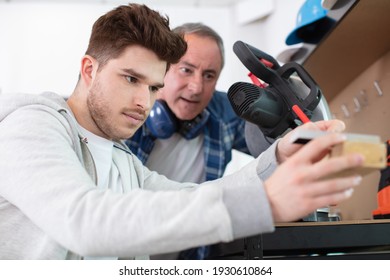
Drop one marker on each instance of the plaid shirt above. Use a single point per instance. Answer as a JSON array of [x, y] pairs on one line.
[[223, 132]]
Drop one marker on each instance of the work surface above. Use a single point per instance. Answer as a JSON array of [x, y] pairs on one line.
[[361, 239]]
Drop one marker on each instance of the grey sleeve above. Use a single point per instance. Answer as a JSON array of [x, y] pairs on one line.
[[246, 198], [256, 141]]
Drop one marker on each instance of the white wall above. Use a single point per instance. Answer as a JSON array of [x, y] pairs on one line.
[[267, 34], [41, 44]]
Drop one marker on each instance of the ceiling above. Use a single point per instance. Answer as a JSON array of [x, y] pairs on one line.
[[186, 3]]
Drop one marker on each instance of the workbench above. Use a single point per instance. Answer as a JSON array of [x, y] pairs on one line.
[[361, 239]]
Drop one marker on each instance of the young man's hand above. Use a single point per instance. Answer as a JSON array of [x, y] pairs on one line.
[[286, 149], [297, 187]]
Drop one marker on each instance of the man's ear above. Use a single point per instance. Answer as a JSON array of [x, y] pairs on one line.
[[89, 67]]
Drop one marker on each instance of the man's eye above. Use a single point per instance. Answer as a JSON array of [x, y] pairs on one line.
[[209, 76], [154, 89], [185, 70], [131, 79]]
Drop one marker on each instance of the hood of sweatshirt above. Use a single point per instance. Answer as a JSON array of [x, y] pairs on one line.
[[9, 103]]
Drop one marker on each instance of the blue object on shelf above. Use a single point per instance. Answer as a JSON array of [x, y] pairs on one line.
[[311, 25]]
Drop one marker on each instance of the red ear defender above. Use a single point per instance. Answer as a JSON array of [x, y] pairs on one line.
[[383, 196]]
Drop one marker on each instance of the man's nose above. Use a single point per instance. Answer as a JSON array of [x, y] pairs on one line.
[[196, 84], [143, 99]]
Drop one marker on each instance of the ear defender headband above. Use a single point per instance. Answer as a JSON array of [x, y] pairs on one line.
[[162, 123]]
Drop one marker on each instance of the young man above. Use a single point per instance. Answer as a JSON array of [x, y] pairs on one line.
[[70, 188]]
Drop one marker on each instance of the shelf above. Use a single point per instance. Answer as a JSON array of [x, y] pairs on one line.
[[360, 37]]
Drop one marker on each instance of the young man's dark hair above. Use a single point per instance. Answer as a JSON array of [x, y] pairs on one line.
[[134, 24]]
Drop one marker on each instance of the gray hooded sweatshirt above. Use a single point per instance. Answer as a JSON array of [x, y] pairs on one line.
[[50, 207]]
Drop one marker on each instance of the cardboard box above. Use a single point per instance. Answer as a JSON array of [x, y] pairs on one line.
[[370, 146]]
